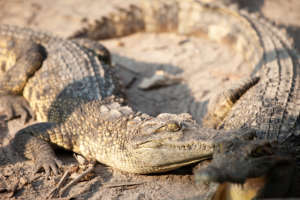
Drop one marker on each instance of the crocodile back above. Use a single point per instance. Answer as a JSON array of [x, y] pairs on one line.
[[70, 75]]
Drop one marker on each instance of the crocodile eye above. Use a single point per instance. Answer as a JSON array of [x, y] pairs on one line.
[[262, 151], [169, 127]]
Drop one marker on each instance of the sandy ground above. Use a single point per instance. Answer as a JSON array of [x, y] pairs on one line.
[[206, 68]]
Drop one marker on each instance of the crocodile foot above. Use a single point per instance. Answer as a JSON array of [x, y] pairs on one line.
[[48, 163], [15, 107]]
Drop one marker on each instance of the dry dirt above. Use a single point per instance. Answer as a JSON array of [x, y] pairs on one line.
[[206, 67]]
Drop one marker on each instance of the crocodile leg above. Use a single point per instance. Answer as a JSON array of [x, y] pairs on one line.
[[33, 143], [222, 103], [19, 60]]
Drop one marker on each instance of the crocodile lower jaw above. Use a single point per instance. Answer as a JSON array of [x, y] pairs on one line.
[[171, 166]]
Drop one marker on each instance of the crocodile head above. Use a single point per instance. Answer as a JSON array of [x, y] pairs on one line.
[[167, 142], [261, 166]]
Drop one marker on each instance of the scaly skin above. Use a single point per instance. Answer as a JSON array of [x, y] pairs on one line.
[[268, 103], [50, 72]]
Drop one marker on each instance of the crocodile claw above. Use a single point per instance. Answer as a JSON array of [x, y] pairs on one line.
[[14, 107], [51, 164]]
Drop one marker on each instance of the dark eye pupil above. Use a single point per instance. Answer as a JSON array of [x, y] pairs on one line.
[[260, 151]]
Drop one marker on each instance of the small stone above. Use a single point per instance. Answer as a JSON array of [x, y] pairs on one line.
[[159, 79]]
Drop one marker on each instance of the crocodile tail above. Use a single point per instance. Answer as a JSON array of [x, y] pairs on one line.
[[117, 24], [149, 16]]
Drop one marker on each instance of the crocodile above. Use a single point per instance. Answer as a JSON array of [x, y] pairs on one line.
[[266, 105], [71, 89]]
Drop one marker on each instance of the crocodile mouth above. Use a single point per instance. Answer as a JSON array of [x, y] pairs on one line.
[[166, 154], [165, 157]]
